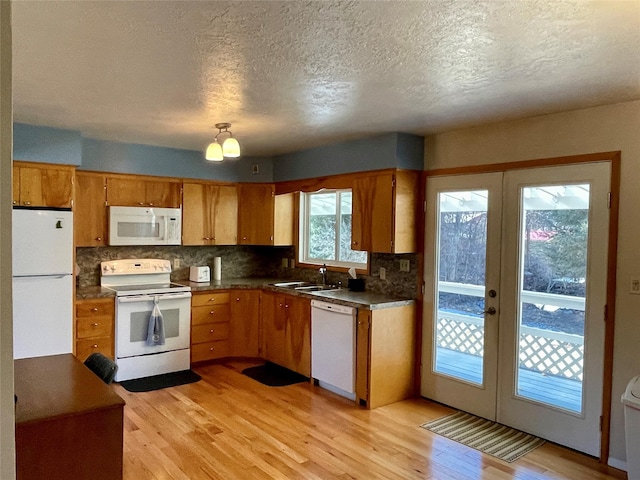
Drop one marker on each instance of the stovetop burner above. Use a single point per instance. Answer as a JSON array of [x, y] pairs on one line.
[[139, 276]]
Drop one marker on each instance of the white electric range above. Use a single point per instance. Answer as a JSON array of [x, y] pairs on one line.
[[139, 284]]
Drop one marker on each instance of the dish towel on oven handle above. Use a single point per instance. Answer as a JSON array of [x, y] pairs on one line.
[[155, 331]]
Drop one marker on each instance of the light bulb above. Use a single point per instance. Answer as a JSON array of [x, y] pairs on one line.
[[214, 152], [231, 148]]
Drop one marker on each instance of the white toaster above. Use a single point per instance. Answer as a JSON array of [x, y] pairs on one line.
[[199, 274]]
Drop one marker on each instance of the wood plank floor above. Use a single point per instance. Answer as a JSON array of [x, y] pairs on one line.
[[228, 426]]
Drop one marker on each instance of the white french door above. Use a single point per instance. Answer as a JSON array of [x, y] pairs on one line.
[[515, 289]]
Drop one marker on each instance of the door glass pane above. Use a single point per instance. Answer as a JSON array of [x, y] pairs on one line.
[[553, 272], [461, 265]]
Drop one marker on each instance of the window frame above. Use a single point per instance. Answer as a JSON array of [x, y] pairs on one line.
[[303, 237]]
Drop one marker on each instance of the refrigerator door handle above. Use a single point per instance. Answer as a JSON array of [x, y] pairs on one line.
[[52, 275]]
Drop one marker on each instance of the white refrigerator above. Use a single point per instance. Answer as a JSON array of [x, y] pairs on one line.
[[42, 282]]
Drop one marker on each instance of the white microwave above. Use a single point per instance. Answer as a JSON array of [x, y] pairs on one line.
[[145, 226]]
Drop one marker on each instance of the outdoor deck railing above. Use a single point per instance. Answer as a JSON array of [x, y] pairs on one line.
[[545, 351]]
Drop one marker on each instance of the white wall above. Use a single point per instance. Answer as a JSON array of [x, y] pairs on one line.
[[7, 448], [599, 129]]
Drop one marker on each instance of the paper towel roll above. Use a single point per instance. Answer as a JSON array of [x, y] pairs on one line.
[[217, 268]]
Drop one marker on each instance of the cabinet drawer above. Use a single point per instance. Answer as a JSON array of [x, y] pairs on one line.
[[213, 298], [86, 347], [98, 326], [210, 332], [210, 314], [209, 351], [89, 309]]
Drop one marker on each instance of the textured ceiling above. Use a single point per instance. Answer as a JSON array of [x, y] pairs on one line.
[[293, 75]]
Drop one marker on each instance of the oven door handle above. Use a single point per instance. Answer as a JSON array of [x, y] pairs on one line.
[[150, 297]]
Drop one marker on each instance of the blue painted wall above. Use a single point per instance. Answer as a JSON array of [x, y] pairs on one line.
[[52, 145], [393, 150], [45, 144]]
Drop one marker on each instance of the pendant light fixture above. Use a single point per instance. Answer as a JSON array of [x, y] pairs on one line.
[[230, 148]]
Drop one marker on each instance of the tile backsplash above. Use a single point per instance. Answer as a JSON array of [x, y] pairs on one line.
[[250, 261]]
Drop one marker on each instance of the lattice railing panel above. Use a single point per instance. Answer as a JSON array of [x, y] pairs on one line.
[[543, 351]]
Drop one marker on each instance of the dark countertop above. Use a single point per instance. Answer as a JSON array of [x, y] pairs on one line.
[[342, 296]]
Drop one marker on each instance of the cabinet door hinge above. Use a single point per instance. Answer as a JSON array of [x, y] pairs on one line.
[[609, 200], [424, 207], [422, 288], [393, 181]]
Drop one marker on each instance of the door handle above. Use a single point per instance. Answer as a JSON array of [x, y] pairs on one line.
[[490, 311]]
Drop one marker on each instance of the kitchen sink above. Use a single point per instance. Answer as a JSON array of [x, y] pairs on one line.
[[304, 286]]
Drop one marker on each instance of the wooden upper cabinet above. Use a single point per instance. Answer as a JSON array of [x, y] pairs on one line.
[[90, 225], [283, 224], [256, 213], [384, 212], [209, 214], [134, 191], [42, 185]]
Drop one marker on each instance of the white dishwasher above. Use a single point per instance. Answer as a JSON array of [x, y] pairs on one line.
[[333, 347]]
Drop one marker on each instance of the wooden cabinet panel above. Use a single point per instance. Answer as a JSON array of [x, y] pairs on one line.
[[99, 326], [298, 335], [283, 224], [202, 352], [385, 211], [372, 218], [135, 191], [385, 355], [245, 323], [287, 331], [210, 327], [90, 219], [209, 332], [94, 327], [273, 327], [224, 208], [209, 214], [196, 219], [210, 298], [256, 213], [210, 314], [39, 185]]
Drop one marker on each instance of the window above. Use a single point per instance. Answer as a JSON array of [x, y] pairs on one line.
[[325, 230]]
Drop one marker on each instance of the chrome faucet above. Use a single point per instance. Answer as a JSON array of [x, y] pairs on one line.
[[323, 272]]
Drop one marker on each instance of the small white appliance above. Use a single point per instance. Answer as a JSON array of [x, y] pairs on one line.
[[42, 282], [145, 226], [199, 274], [333, 347], [140, 284]]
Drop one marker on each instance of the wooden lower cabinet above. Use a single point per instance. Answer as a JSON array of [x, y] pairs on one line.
[[385, 355], [210, 315], [94, 328], [245, 323], [287, 331]]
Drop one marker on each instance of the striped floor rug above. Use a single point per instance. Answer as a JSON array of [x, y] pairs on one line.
[[489, 437]]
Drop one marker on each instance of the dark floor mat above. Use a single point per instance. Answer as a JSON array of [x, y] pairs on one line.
[[156, 382], [274, 375]]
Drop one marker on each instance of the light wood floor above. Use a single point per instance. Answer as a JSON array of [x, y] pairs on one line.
[[229, 427]]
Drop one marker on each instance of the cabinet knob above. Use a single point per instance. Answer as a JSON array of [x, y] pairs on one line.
[[237, 299], [15, 203], [27, 203], [354, 243], [206, 238], [211, 312], [151, 204], [211, 331], [286, 305], [244, 238], [140, 203], [95, 345], [95, 324], [99, 239], [211, 349], [94, 309]]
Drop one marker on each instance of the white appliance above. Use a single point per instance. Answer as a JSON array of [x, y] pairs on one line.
[[42, 282], [138, 284], [199, 274], [145, 226], [333, 347]]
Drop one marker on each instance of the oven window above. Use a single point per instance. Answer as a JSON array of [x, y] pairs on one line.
[[140, 324], [139, 229]]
